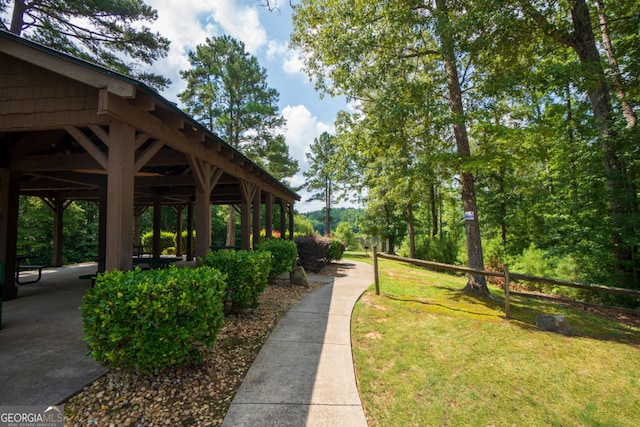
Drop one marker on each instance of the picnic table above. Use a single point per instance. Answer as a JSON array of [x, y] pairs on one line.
[[156, 262], [27, 267]]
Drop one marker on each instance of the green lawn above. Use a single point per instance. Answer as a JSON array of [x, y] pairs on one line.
[[428, 355]]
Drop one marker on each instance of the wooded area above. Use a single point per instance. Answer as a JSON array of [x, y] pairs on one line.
[[488, 132]]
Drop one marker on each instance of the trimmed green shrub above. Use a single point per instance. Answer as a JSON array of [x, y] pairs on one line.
[[336, 250], [155, 319], [167, 240], [184, 241], [247, 276], [283, 255]]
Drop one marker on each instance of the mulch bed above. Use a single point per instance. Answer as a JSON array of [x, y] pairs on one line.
[[190, 395]]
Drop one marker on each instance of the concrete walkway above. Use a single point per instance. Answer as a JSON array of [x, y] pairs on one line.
[[43, 359], [303, 375]]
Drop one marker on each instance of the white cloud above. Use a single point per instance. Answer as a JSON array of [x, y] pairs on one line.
[[240, 22], [188, 23], [302, 127], [291, 60]]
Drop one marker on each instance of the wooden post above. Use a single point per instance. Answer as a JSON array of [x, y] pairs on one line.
[[102, 230], [203, 222], [291, 224], [283, 229], [257, 199], [9, 199], [507, 307], [179, 209], [157, 219], [376, 277], [190, 231], [245, 220], [268, 220], [120, 185]]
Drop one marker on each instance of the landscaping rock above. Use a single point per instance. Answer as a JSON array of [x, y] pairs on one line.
[[554, 323], [299, 277]]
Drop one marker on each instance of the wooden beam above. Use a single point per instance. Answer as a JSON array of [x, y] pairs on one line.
[[88, 145], [100, 133], [141, 138], [118, 108], [148, 154], [55, 162]]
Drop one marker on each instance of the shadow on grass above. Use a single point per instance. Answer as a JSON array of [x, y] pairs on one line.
[[425, 302], [584, 324], [524, 312]]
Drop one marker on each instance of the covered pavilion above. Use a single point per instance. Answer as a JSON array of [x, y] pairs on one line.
[[72, 130]]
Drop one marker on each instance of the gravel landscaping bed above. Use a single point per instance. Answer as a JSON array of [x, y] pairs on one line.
[[191, 395]]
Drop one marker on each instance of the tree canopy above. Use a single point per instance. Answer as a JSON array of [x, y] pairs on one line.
[[227, 91], [510, 121], [104, 32]]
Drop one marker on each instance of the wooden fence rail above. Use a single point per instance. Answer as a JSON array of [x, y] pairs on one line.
[[509, 276]]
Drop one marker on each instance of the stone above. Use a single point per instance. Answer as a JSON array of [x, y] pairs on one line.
[[554, 323], [299, 277]]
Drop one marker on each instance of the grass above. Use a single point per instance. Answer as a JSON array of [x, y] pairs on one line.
[[428, 355]]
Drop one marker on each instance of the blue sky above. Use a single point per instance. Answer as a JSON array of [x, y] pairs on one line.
[[265, 33]]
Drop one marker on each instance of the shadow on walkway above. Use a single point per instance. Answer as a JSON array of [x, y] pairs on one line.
[[304, 373]]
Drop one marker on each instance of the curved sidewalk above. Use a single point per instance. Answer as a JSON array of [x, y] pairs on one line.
[[303, 375]]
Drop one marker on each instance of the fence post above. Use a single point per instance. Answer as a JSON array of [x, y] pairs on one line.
[[375, 269], [507, 306]]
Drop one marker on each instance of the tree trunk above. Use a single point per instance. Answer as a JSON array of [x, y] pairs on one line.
[[477, 284], [434, 210], [17, 18], [627, 111], [231, 228], [327, 209], [412, 238], [572, 151], [503, 206], [621, 197]]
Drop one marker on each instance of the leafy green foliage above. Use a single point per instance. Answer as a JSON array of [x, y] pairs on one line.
[[554, 159], [336, 249], [167, 240], [152, 320], [105, 32], [227, 91], [344, 231], [247, 274], [283, 254], [35, 231], [443, 250], [302, 225]]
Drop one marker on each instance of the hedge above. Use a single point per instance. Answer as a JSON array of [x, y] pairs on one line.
[[155, 319], [314, 252], [167, 240], [247, 275], [284, 254]]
